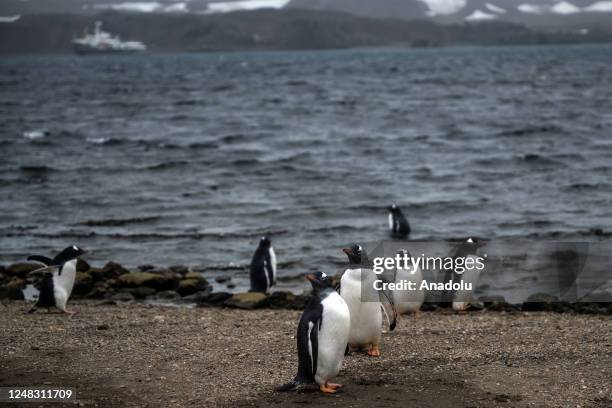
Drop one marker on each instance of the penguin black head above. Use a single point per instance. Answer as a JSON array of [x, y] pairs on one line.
[[355, 254], [265, 243], [68, 254], [471, 245], [394, 209], [319, 280]]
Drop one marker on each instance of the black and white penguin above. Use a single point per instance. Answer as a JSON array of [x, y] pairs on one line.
[[322, 337], [398, 224], [408, 301], [463, 298], [59, 274], [263, 267], [366, 314]]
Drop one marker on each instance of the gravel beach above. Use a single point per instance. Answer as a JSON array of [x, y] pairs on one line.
[[137, 355]]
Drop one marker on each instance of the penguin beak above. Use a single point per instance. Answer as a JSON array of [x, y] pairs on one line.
[[311, 277], [347, 251]]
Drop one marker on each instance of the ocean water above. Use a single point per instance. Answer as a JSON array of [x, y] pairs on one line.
[[189, 159]]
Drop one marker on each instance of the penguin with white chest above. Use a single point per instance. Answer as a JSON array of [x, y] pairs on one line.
[[59, 275], [366, 314], [409, 301], [263, 267], [398, 224], [322, 336], [463, 298]]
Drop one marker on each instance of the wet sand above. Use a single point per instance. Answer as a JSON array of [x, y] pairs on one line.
[[136, 355]]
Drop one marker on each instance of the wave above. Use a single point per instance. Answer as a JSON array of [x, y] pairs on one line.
[[167, 165], [36, 134], [145, 235], [37, 169], [529, 130], [103, 141], [117, 222]]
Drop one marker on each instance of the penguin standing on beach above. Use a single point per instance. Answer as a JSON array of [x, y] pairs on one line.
[[58, 274], [322, 337], [463, 298], [263, 267], [398, 224], [366, 313], [408, 301]]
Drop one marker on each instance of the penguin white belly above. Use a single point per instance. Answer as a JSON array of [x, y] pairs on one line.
[[63, 284], [366, 317], [333, 337], [391, 221], [407, 301], [273, 264], [462, 298]]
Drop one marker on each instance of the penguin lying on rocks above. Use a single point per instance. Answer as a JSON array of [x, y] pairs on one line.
[[322, 337]]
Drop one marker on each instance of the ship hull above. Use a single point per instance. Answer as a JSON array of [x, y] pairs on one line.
[[85, 50]]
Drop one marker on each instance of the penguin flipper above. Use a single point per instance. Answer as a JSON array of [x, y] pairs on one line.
[[43, 260], [45, 270], [308, 342]]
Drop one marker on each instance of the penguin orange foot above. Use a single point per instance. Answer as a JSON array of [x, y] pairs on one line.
[[327, 388], [374, 351], [334, 385]]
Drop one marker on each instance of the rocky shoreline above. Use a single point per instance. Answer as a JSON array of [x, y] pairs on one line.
[[113, 283]]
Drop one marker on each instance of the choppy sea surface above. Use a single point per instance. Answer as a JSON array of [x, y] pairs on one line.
[[189, 159]]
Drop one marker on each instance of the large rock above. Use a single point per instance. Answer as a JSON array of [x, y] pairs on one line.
[[141, 292], [101, 290], [83, 284], [82, 266], [193, 283], [16, 283], [287, 300], [214, 299], [112, 270], [157, 281], [180, 269], [21, 269], [13, 290], [167, 295], [493, 302], [540, 301], [122, 297], [200, 297], [248, 300]]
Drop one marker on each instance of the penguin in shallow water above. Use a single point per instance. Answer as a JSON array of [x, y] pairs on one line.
[[463, 298], [398, 224], [59, 274], [263, 267], [322, 337], [366, 313], [408, 301]]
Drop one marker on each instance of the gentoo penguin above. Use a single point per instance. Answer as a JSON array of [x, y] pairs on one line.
[[366, 315], [322, 336], [263, 267], [398, 224], [408, 301], [462, 298], [59, 274]]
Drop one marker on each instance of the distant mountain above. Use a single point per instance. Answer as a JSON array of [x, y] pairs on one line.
[[266, 30], [570, 14], [534, 13]]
